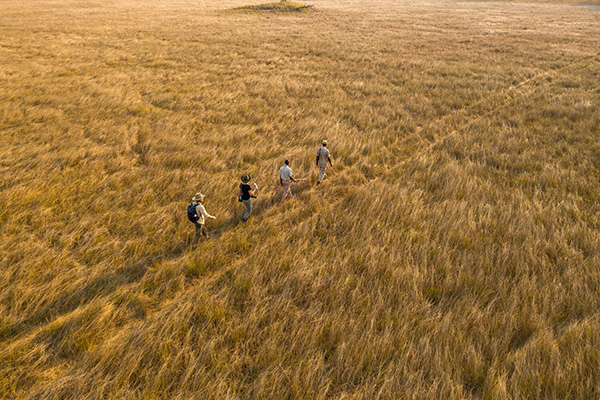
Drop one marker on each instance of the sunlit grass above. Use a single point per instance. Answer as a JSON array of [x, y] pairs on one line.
[[453, 251]]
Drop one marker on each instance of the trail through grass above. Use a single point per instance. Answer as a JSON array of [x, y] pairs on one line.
[[452, 253]]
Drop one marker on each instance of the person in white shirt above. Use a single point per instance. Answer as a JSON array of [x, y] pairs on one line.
[[201, 212], [285, 177], [323, 157]]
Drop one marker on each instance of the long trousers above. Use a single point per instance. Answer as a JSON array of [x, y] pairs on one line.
[[287, 191], [248, 204], [322, 172], [200, 230]]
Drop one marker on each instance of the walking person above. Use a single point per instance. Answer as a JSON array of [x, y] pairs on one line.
[[197, 214], [285, 178], [246, 193], [323, 157]]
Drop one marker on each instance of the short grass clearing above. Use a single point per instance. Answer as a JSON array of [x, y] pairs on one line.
[[277, 6]]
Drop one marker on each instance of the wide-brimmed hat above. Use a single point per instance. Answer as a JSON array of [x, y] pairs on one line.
[[324, 142], [197, 197], [245, 178]]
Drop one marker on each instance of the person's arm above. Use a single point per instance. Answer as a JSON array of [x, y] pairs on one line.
[[317, 160], [292, 178], [203, 211], [251, 192], [330, 162]]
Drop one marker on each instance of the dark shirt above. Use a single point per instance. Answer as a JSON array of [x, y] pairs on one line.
[[245, 191]]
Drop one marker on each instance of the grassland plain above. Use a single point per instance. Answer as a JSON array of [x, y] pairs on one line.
[[453, 253]]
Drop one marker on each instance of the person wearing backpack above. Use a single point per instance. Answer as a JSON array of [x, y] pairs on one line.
[[322, 158], [245, 195], [196, 214]]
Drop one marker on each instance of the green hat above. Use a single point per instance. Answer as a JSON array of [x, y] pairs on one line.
[[198, 197], [245, 178]]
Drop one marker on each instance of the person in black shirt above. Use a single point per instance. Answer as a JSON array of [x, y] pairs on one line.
[[247, 193]]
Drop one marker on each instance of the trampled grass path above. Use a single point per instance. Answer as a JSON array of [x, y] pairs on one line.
[[327, 198], [327, 194], [449, 253], [508, 99]]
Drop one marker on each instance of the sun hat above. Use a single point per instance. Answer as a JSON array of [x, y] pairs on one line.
[[198, 196], [324, 141], [245, 178]]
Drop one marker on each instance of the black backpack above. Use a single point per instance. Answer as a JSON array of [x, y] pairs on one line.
[[191, 213]]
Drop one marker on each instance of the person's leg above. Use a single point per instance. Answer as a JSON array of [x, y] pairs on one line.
[[286, 191], [204, 232], [321, 173], [248, 204], [198, 233]]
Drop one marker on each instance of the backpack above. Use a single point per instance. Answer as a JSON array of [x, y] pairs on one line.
[[191, 213]]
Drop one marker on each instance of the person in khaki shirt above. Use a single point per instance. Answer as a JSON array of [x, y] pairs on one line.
[[285, 178], [198, 199], [323, 157]]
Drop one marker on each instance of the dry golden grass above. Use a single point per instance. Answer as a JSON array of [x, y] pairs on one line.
[[453, 253]]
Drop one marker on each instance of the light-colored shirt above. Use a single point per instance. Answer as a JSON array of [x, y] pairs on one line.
[[201, 211], [323, 155], [285, 173]]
